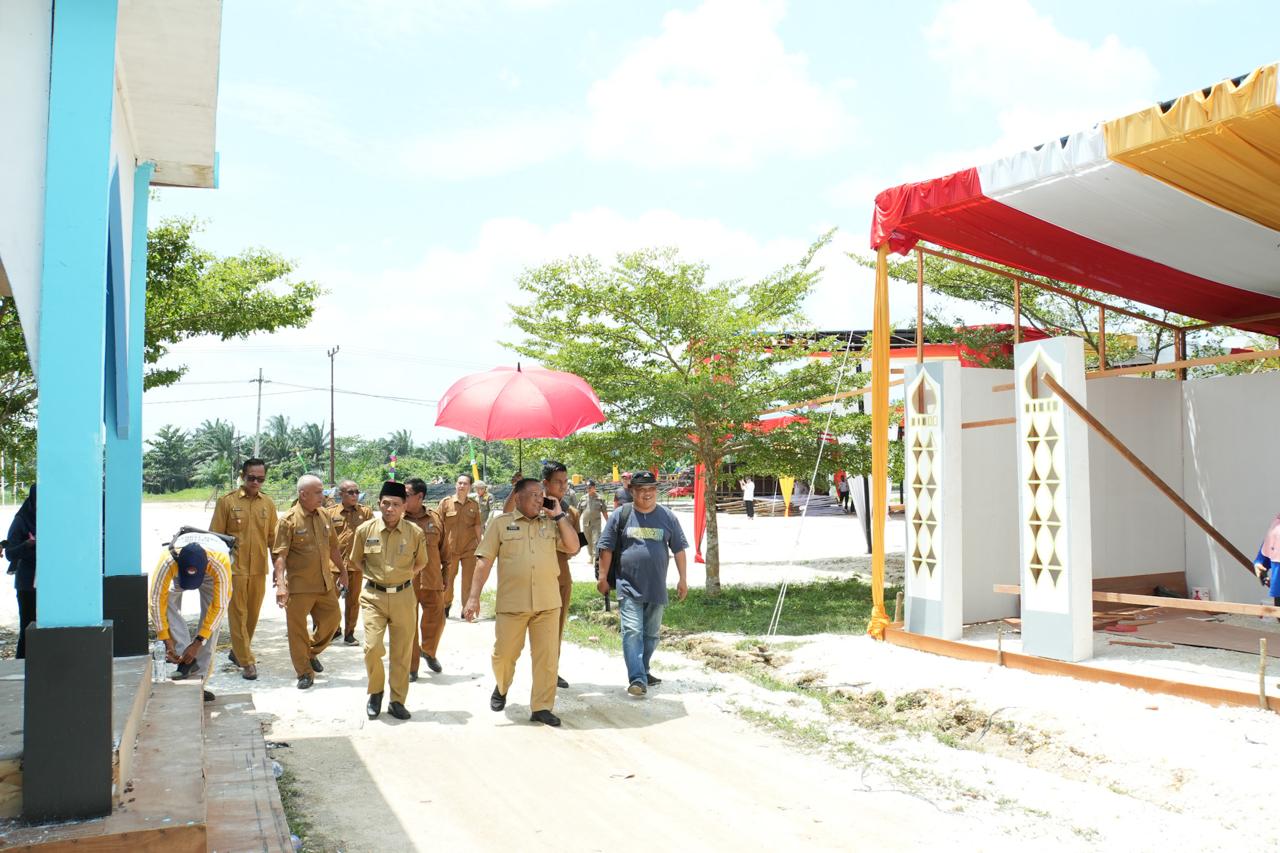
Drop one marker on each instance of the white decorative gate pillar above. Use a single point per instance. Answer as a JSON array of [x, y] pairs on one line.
[[1053, 473], [934, 584]]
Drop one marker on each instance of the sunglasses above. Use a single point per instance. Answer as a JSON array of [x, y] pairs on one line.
[[350, 491], [249, 478]]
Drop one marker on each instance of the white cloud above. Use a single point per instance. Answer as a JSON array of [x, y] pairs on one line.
[[491, 149], [1042, 82], [716, 88]]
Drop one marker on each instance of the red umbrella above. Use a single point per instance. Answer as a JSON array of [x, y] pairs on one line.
[[510, 402]]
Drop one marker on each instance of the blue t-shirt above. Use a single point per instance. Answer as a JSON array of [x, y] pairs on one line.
[[642, 551]]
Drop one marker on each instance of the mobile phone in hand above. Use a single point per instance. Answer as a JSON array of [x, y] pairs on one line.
[[549, 503]]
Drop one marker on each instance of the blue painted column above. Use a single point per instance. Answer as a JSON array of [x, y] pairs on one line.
[[123, 515], [73, 312]]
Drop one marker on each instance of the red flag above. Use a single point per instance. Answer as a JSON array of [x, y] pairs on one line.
[[699, 512]]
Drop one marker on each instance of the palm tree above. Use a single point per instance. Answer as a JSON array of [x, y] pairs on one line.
[[400, 443], [312, 441], [216, 441], [277, 440]]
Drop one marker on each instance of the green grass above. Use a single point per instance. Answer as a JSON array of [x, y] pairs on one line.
[[195, 493], [294, 814]]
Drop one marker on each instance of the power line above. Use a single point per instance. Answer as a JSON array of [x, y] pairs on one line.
[[232, 397]]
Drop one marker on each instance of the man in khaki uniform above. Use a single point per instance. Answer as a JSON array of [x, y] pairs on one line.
[[428, 585], [347, 516], [525, 543], [389, 553], [555, 485], [306, 547], [461, 516], [250, 517]]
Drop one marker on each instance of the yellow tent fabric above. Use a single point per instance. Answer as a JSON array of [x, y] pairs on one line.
[[1223, 147], [786, 484], [879, 441]]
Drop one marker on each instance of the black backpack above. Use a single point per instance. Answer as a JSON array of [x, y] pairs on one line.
[[624, 513]]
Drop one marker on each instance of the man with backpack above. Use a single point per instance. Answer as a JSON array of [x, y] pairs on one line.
[[636, 544]]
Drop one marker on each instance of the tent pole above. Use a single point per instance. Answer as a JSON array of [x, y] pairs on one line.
[[1102, 338], [1017, 311], [879, 441], [919, 307]]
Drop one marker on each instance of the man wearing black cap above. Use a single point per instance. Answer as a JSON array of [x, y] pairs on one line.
[[389, 554], [640, 538], [192, 567]]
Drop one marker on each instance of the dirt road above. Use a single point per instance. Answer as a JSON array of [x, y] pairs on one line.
[[678, 770]]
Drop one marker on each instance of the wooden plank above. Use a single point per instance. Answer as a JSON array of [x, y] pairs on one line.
[[1080, 672], [1143, 584], [990, 423], [1209, 635], [1139, 644], [830, 398], [1184, 363], [1161, 601], [1164, 488], [243, 800]]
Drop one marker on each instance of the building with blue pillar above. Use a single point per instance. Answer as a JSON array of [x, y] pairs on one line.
[[100, 100]]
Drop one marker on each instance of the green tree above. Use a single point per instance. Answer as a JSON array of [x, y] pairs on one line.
[[169, 464], [220, 450], [277, 442], [190, 292], [400, 443], [682, 365], [312, 442]]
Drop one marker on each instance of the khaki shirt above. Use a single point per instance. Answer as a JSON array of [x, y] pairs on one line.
[[432, 577], [305, 540], [528, 571], [253, 522], [387, 556], [345, 521], [592, 508], [461, 521]]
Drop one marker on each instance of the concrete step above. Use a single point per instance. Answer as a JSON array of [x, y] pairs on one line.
[[242, 799]]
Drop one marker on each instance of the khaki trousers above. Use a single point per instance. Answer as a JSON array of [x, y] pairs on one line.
[[323, 608], [430, 607], [247, 592], [566, 591], [468, 563], [351, 604], [380, 611], [544, 649]]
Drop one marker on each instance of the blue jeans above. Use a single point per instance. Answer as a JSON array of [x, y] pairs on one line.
[[640, 625]]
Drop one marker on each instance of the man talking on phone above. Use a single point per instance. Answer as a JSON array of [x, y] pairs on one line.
[[524, 543], [306, 542]]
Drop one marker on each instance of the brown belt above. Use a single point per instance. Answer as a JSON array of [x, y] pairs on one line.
[[380, 588]]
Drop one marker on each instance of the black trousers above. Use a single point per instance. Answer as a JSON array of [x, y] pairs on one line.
[[26, 615], [750, 507]]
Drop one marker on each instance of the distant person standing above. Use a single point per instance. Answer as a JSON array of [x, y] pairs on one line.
[[20, 548], [461, 516], [641, 537], [306, 546], [842, 489], [485, 500], [347, 516], [594, 516], [250, 517], [748, 496], [524, 544], [622, 494], [389, 553], [428, 584]]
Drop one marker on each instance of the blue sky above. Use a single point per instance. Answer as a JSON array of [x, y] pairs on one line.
[[413, 157]]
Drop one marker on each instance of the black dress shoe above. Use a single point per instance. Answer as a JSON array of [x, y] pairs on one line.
[[447, 608], [374, 708], [497, 701], [653, 679], [413, 676], [399, 711], [337, 634], [208, 696], [315, 664], [305, 681], [432, 663], [231, 656], [350, 639], [545, 717], [561, 683]]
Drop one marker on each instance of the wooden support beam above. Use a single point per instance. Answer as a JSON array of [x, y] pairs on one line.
[[1160, 601], [1180, 365], [1128, 455], [1017, 312], [1080, 671], [830, 398], [919, 307], [990, 423], [1236, 323], [1102, 338]]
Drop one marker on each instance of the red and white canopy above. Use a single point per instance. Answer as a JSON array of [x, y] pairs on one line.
[[1176, 206]]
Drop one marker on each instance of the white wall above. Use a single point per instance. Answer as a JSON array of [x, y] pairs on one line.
[[1232, 476], [990, 496], [1136, 529]]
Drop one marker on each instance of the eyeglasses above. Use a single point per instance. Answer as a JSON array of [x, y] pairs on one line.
[[249, 478], [350, 491]]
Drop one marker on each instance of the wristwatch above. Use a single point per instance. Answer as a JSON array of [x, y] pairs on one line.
[[558, 517]]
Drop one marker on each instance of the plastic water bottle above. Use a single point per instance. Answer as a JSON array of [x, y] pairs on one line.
[[157, 662]]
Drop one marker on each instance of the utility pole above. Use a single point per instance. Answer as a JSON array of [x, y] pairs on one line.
[[333, 431], [257, 421]]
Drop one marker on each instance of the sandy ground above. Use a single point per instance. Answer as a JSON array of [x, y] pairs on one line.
[[713, 760]]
